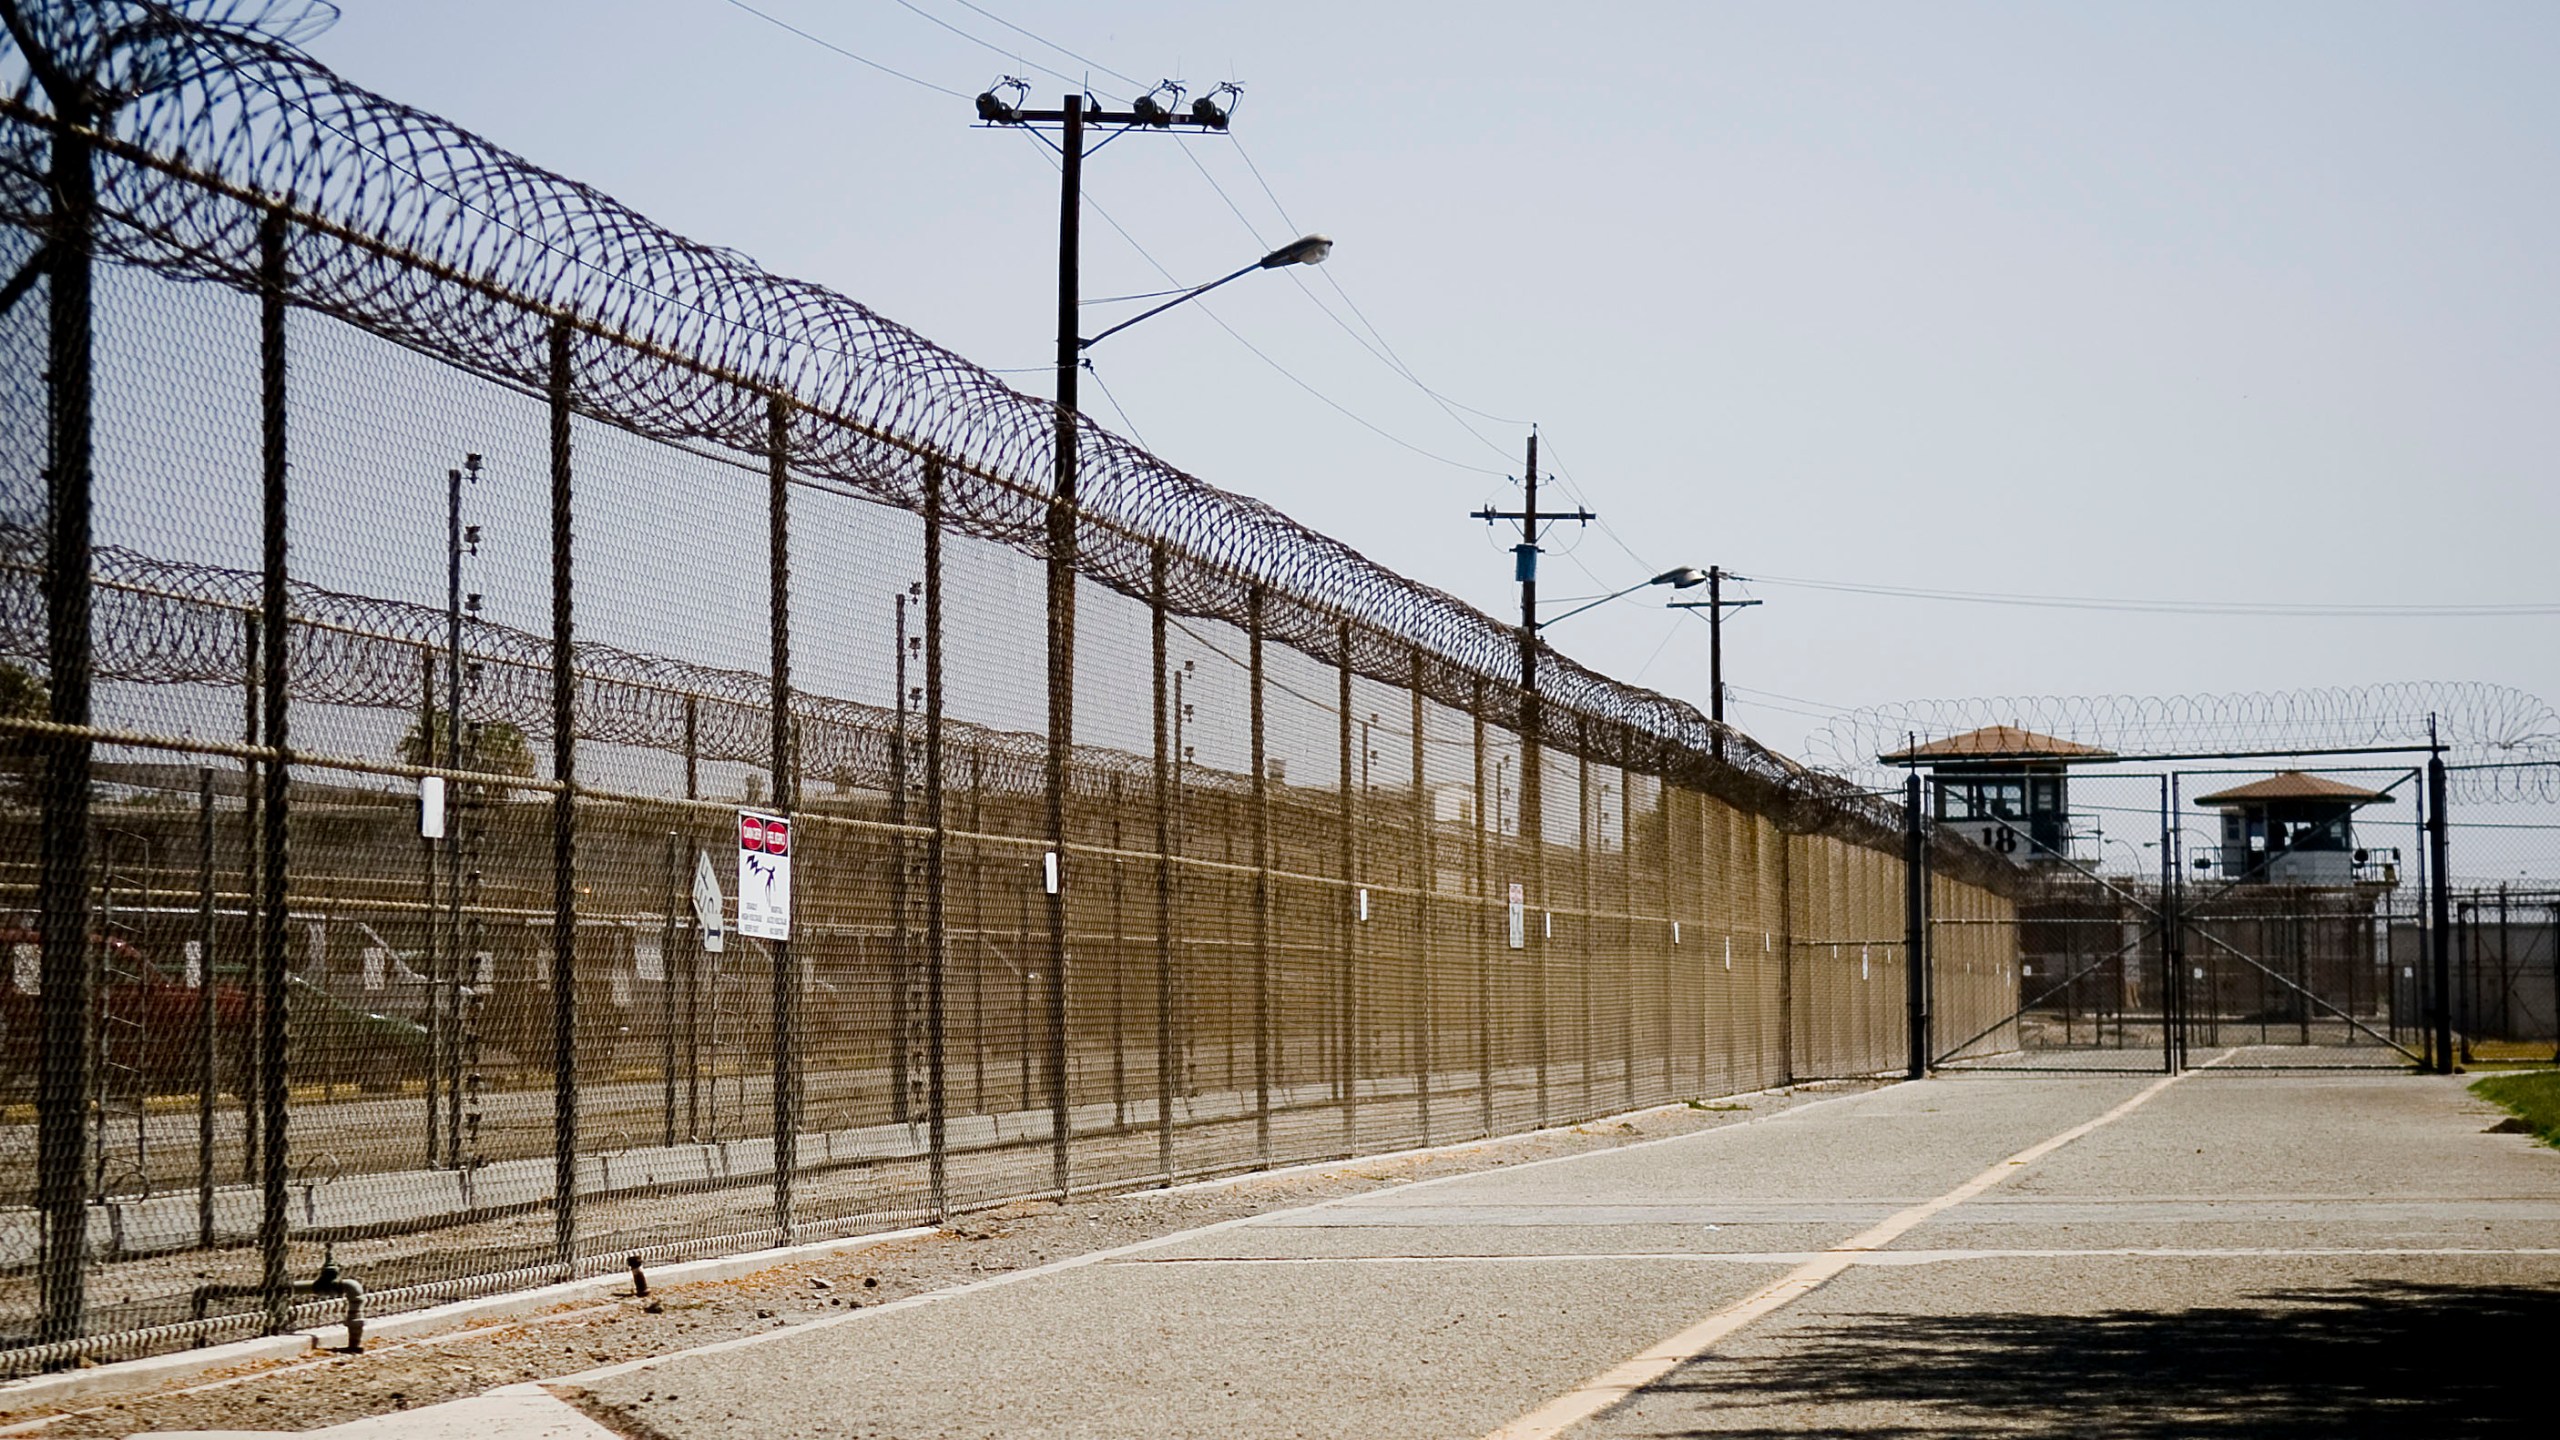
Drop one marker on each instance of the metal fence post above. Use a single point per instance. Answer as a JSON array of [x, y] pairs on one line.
[[786, 1109], [1119, 957], [1483, 917], [1261, 891], [1347, 914], [1784, 943], [436, 1036], [64, 1063], [670, 936], [1426, 887], [1589, 919], [901, 1063], [1533, 832], [208, 1054], [937, 933], [2439, 912], [1627, 918], [1156, 567], [252, 726], [1915, 926], [278, 777], [1666, 800], [693, 941], [564, 827]]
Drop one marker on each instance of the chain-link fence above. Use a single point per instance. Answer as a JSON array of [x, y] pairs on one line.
[[428, 593]]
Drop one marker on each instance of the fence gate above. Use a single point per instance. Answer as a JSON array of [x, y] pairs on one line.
[[2214, 961]]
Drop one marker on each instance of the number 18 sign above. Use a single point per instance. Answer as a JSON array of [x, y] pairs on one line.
[[764, 876]]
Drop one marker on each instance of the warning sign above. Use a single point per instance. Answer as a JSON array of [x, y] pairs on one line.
[[764, 876], [1519, 916], [710, 907]]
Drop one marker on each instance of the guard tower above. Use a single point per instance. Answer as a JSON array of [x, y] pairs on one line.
[[2291, 829], [2006, 787]]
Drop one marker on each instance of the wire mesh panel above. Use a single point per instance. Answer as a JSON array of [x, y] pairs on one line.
[[441, 609]]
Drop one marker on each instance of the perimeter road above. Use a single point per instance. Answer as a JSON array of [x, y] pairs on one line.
[[1900, 1260]]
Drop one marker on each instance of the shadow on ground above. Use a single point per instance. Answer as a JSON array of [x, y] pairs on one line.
[[2382, 1359]]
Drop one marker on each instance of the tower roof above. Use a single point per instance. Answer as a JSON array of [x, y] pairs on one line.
[[2294, 785], [1998, 742]]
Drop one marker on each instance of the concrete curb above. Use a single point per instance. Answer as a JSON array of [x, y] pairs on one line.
[[158, 1372]]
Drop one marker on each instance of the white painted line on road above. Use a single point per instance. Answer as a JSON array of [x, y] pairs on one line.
[[1179, 1237], [1624, 1379], [1877, 1257]]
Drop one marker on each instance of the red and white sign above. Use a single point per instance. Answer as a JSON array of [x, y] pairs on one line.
[[764, 876]]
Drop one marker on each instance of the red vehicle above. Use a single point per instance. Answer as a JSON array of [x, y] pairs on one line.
[[148, 1022]]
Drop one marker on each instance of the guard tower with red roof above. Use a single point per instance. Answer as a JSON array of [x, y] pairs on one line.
[[2291, 828], [2006, 787]]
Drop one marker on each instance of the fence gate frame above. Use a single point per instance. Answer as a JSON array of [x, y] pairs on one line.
[[2169, 923]]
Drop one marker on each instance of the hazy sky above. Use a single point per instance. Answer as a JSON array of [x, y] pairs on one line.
[[2198, 302]]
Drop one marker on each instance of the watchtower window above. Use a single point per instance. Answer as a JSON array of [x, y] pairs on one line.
[[1988, 799]]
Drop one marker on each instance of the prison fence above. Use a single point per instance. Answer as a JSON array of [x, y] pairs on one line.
[[417, 573]]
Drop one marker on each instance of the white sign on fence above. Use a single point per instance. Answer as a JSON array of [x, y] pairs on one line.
[[764, 876], [1519, 916], [710, 907]]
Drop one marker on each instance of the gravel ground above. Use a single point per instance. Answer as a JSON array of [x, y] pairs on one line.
[[308, 1393]]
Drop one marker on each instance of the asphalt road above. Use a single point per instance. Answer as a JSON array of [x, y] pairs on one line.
[[2231, 1254]]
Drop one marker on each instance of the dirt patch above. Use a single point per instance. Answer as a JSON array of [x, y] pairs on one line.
[[326, 1390]]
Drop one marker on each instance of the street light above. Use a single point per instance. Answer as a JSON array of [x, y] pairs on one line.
[[1305, 250], [1680, 579]]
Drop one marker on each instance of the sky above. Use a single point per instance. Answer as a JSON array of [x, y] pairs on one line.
[[2171, 301]]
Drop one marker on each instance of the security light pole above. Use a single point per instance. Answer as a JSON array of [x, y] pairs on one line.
[[1072, 118]]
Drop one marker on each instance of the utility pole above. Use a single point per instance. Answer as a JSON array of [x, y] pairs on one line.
[[1715, 605], [1532, 521], [1072, 118], [1532, 821]]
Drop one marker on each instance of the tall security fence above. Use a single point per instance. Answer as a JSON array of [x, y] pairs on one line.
[[435, 604]]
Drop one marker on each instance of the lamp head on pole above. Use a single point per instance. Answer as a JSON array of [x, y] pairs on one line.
[[1305, 250], [1680, 579]]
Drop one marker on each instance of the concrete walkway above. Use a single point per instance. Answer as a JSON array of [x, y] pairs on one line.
[[2260, 1255]]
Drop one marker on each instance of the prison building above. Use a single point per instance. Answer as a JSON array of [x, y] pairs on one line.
[[2294, 828], [2003, 786]]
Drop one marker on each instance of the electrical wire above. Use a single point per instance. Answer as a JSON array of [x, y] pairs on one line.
[[1375, 343], [840, 50], [1125, 421], [1052, 44], [2271, 609], [1282, 370], [1015, 56], [1329, 279]]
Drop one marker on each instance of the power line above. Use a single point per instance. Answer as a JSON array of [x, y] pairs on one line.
[[1015, 56], [1377, 351], [1384, 351], [1115, 406], [2272, 609], [840, 50], [1247, 158], [1052, 44], [1284, 372]]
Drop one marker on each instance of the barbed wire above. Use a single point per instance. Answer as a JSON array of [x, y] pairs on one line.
[[416, 230], [2480, 724]]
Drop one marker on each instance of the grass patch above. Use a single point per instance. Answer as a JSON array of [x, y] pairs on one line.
[[2534, 1098], [1704, 1105]]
